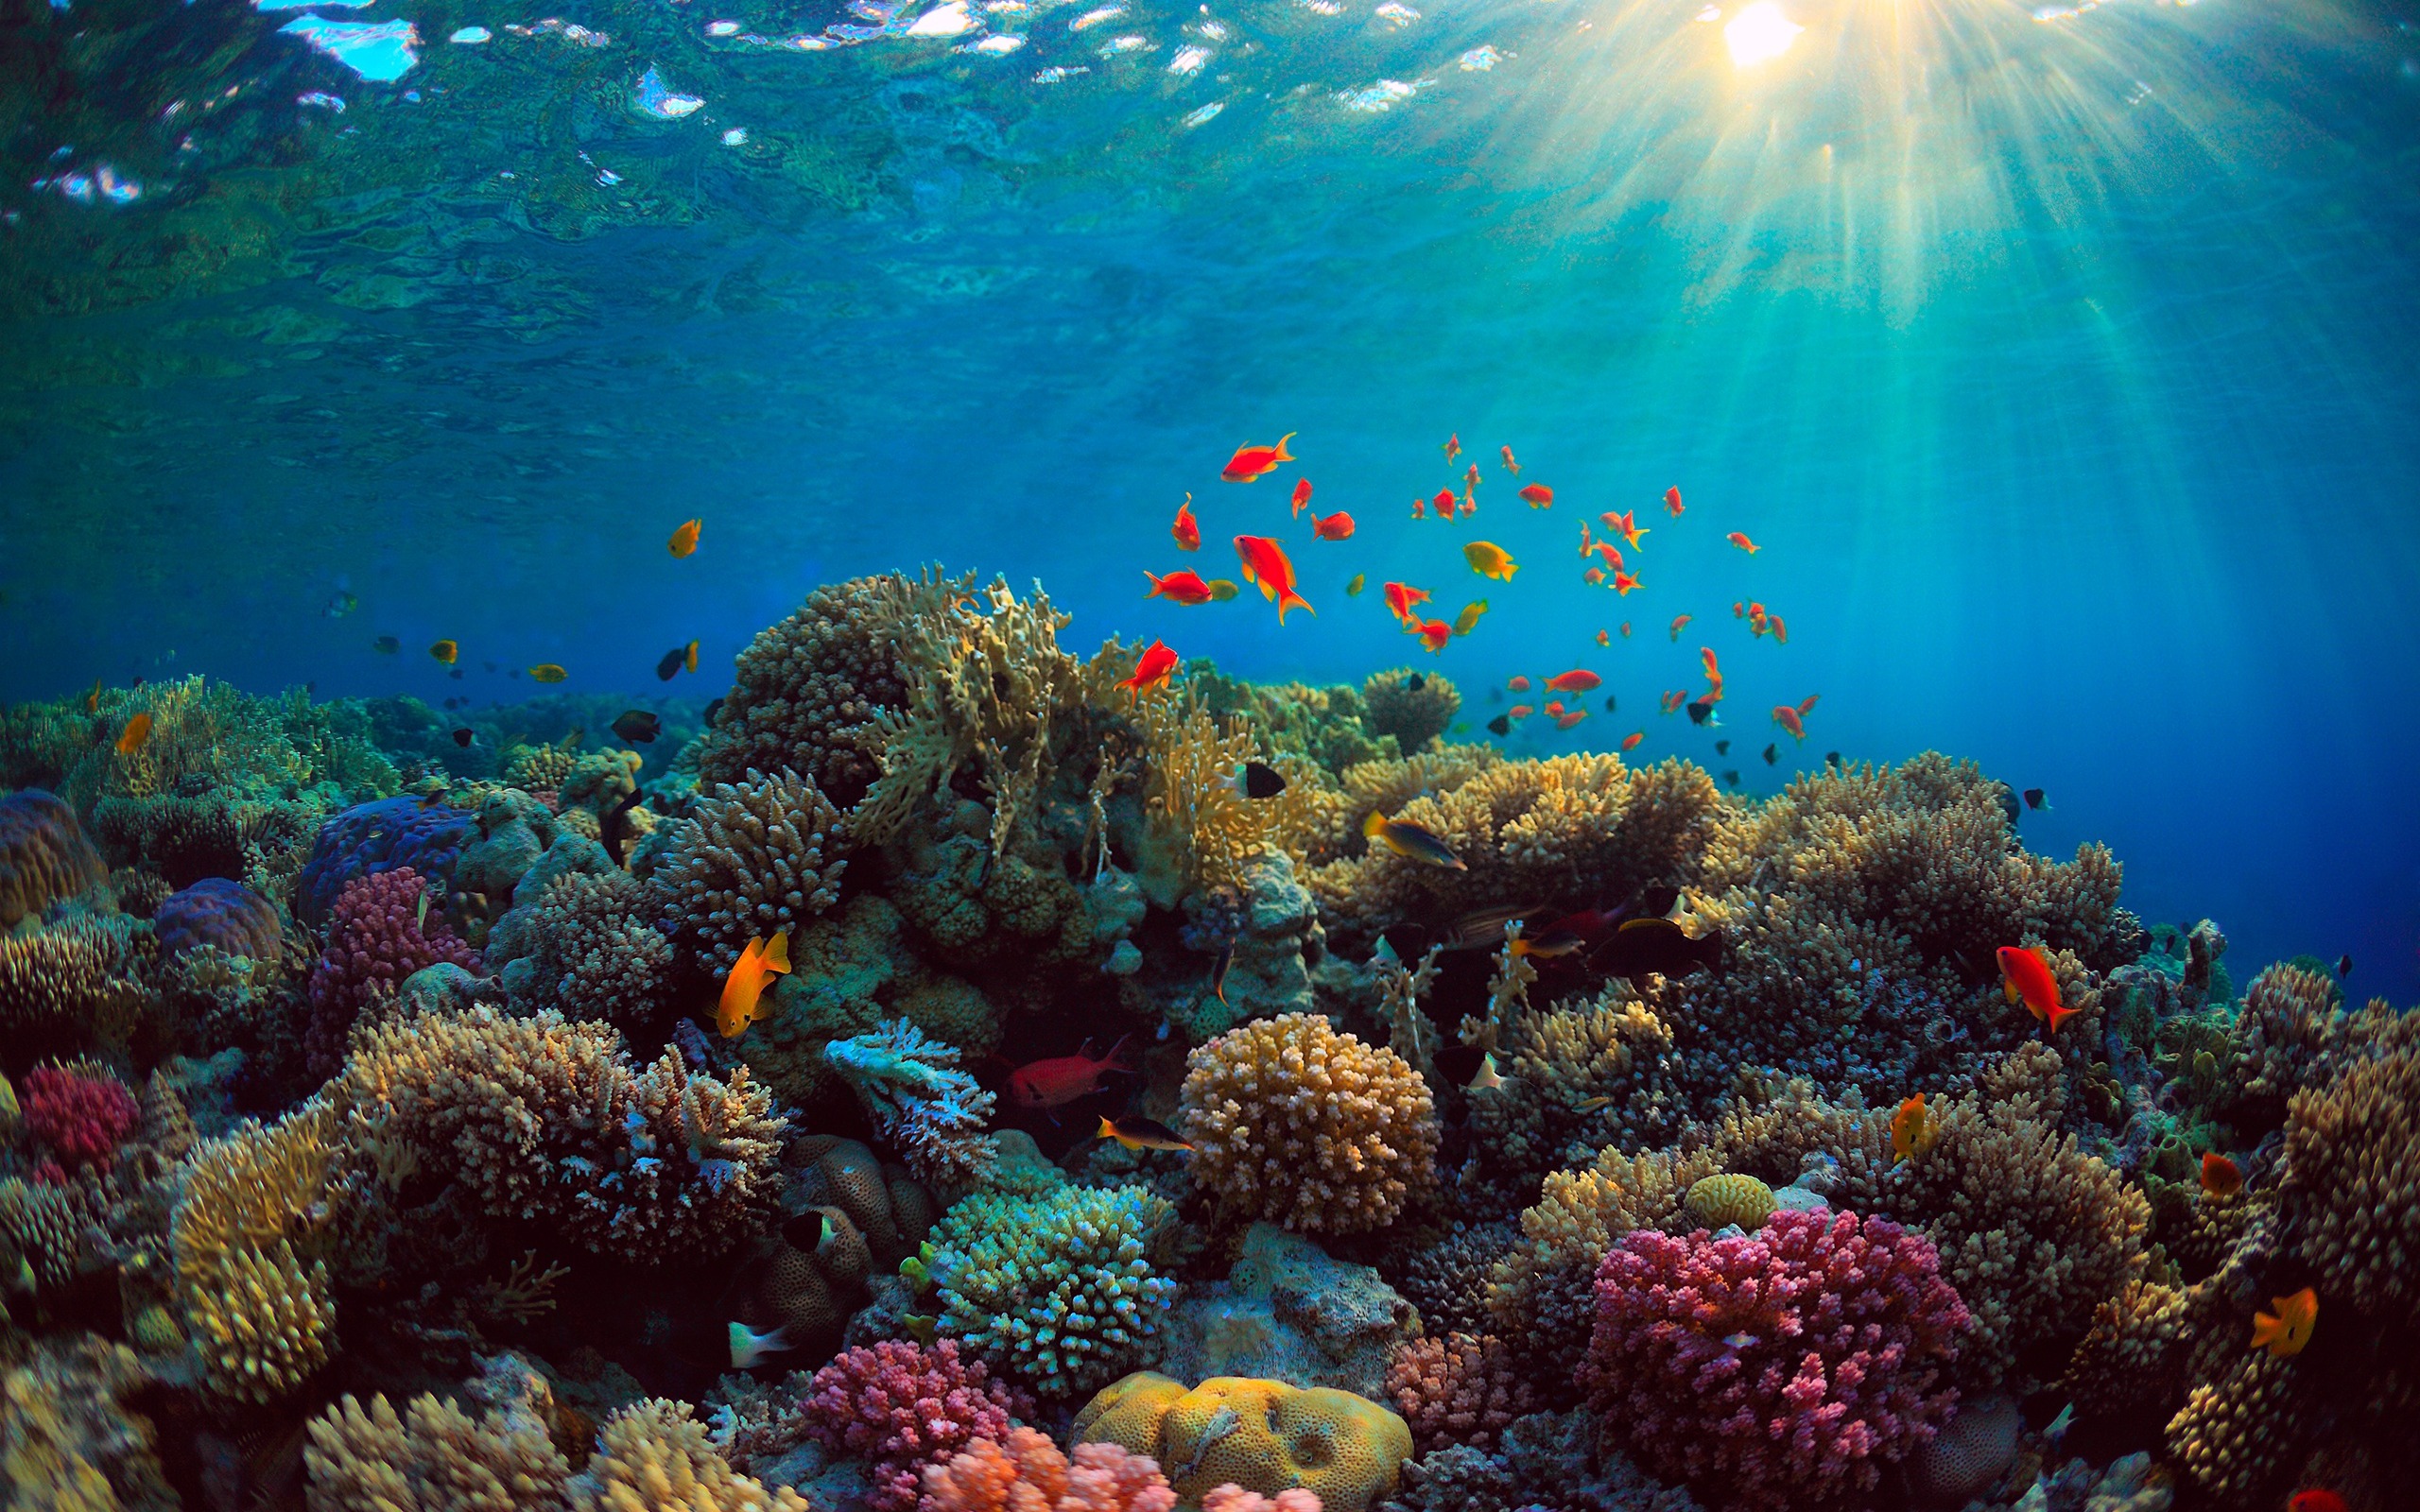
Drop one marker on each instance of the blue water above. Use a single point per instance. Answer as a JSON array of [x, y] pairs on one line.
[[2062, 369]]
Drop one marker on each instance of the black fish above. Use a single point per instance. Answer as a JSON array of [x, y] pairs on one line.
[[1722, 747], [2033, 799], [1731, 778], [2344, 966], [1610, 704], [2008, 803], [385, 645], [1258, 779], [455, 673], [1653, 946], [1457, 1063], [612, 833], [1772, 754], [462, 736], [1831, 757], [1500, 726], [638, 725], [1218, 970], [1701, 709], [1415, 682], [713, 708], [669, 667]]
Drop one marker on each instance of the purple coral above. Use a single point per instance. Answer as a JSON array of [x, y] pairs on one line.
[[228, 915], [370, 838], [900, 1406], [1778, 1370], [378, 938]]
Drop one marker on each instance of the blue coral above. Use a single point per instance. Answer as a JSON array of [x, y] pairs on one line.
[[909, 1082], [218, 912], [370, 839]]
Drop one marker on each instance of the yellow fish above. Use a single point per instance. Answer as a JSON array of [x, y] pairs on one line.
[[1488, 559], [1137, 1132], [548, 672], [92, 699], [1467, 620], [1353, 589], [445, 651], [1911, 1131], [689, 661], [2285, 1333], [741, 989], [684, 540], [1223, 589]]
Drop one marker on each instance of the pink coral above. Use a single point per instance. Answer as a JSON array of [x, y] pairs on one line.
[[1029, 1474], [1234, 1498], [376, 939], [901, 1406], [1777, 1371], [83, 1116]]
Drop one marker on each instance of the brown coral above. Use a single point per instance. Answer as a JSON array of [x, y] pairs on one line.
[[653, 1456], [1459, 1390], [758, 858], [1414, 707], [45, 858], [2351, 1176], [433, 1457]]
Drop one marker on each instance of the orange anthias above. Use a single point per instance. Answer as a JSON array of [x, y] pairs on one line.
[[1400, 598], [1061, 1079], [1680, 622], [1301, 495], [1338, 526], [1610, 555], [1622, 526], [1672, 498], [2026, 975], [1578, 680], [1743, 542], [2221, 1176], [1184, 587], [1570, 719], [744, 986], [1443, 504], [1787, 718], [2285, 1333], [1781, 631], [1453, 447], [1153, 671], [1252, 462], [1188, 530], [1266, 564], [1434, 634], [1629, 742], [1538, 495], [1519, 685], [1511, 466], [1624, 582]]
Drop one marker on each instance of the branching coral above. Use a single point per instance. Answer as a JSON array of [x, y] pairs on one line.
[[653, 1456], [1414, 707], [1447, 1281], [1029, 1474], [433, 1457], [45, 858], [1457, 1389], [901, 1406], [932, 1111], [261, 1319], [587, 946], [752, 862], [2350, 1176], [69, 1442], [383, 930], [1206, 828], [80, 1112], [1597, 1071], [1293, 1122], [72, 980], [1058, 1292]]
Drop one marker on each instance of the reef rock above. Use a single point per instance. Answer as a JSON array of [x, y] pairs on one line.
[[1289, 1312]]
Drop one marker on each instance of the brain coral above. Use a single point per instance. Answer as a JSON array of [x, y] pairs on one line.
[[751, 862], [1781, 1370], [1029, 1474], [1718, 1201], [1304, 1127], [370, 839], [216, 911], [44, 855], [1263, 1435], [1058, 1292], [900, 1406]]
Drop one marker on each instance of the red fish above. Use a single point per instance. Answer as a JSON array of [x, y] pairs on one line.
[[1520, 710], [1624, 582], [1629, 742], [1301, 496], [1787, 718], [1453, 447], [2026, 975], [1554, 706], [1672, 498], [1419, 509], [1672, 700], [1604, 639], [1338, 526], [1594, 575], [1611, 556], [1706, 656], [1511, 466], [1806, 705], [1470, 506], [1781, 631], [1184, 587], [1538, 495], [1434, 634], [1519, 685], [2221, 1176], [1625, 630], [1578, 680], [1587, 541], [1063, 1078], [1470, 477], [1743, 542], [1443, 504], [1680, 622], [1251, 462], [1622, 526], [1186, 529], [1565, 721], [1153, 671], [1400, 599], [1265, 563], [2318, 1498]]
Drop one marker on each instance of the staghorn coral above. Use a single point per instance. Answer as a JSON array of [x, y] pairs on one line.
[[1201, 833], [932, 1111], [1414, 707], [42, 1232], [1596, 1069], [261, 1320], [1262, 1437], [81, 1113], [1457, 1389], [1782, 1370], [45, 858], [1029, 1474], [900, 1407], [751, 862], [1058, 1292], [1293, 1122], [433, 1457], [381, 932], [653, 1456], [586, 947]]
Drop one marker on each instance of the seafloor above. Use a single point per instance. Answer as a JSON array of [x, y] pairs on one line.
[[371, 1138]]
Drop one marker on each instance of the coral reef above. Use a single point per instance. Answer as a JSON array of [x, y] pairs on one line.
[[1262, 1437], [370, 838], [749, 863], [1414, 707], [222, 915], [900, 1407], [1029, 1474], [45, 858], [380, 934], [1290, 1312], [1459, 1390], [585, 946], [911, 1086]]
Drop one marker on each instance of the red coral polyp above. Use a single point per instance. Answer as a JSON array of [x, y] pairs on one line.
[[1782, 1369], [901, 1406], [82, 1117]]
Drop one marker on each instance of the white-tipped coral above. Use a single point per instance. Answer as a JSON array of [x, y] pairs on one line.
[[932, 1111]]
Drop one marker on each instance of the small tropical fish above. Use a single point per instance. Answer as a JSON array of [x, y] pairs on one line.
[[1517, 684], [1182, 588], [1411, 841], [1153, 671], [1301, 497], [445, 651], [1555, 707], [1831, 757], [1188, 530], [1722, 747], [340, 605], [1612, 705], [1671, 701], [745, 984], [1338, 526], [1570, 718], [2221, 1176], [2025, 974], [1787, 718], [2036, 799], [1511, 466], [1255, 780], [1731, 778], [1587, 539], [1218, 970], [1500, 726], [1629, 742], [1488, 1079], [1594, 575], [1743, 542], [1605, 638], [638, 725], [1415, 682], [1806, 705], [1623, 583], [669, 665], [1059, 1079], [2286, 1332], [1420, 508], [1550, 943], [1910, 1129], [137, 731], [1267, 565], [1578, 680], [2345, 965], [1443, 504], [1489, 559], [1537, 495], [612, 831], [1622, 526], [548, 672], [1137, 1132], [1467, 620], [93, 699], [1625, 630], [1453, 447], [464, 735], [1606, 552], [1672, 499], [1223, 589], [684, 540], [1353, 589], [714, 708], [1781, 631], [1591, 1105], [1520, 710], [2317, 1499], [385, 645], [1401, 599], [748, 1347], [1641, 947], [1680, 622], [1251, 462], [1701, 712], [1433, 634]]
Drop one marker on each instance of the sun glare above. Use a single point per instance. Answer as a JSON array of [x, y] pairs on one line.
[[1760, 34]]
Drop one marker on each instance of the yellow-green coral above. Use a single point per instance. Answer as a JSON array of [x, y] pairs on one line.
[[1725, 1198], [260, 1317], [1264, 1435], [653, 1456]]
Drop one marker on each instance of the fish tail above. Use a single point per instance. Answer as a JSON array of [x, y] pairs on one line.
[[1283, 455], [1287, 597], [1157, 586]]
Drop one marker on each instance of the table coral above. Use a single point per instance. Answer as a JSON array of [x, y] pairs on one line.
[[1029, 1474], [900, 1406], [1262, 1437], [1782, 1370], [379, 934], [1293, 1122], [757, 857], [219, 912], [81, 1113], [45, 858]]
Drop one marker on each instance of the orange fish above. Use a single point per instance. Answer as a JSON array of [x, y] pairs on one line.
[[1538, 495], [1781, 631], [1706, 656], [1910, 1129], [1338, 526], [1594, 575], [1565, 721], [1419, 509], [1585, 539], [1629, 742], [1153, 671], [2285, 1333], [2221, 1176], [1443, 504], [1606, 552], [1624, 527], [1736, 611], [1183, 588], [1511, 466], [1186, 529], [137, 731], [1743, 542], [1624, 582], [1061, 1079], [1554, 706], [1672, 498], [684, 540], [2025, 974], [1519, 685], [1604, 639], [1400, 599], [1434, 634], [2318, 1498], [1301, 496], [1672, 700], [1470, 506], [1680, 622], [1265, 563], [1520, 710], [1806, 705], [1453, 447], [745, 985], [1578, 680], [1251, 462], [1787, 718], [1470, 478]]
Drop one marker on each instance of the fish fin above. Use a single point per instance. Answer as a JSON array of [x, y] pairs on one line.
[[1283, 455], [777, 953], [1374, 824], [1290, 596]]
